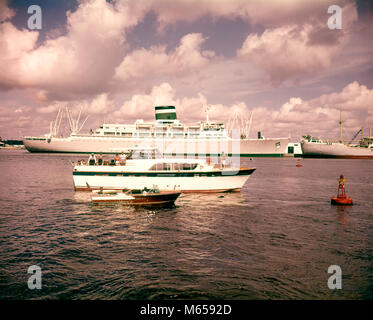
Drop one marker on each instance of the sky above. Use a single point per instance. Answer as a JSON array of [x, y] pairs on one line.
[[276, 60]]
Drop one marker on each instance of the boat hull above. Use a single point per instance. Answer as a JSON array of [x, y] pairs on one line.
[[271, 147], [144, 200], [88, 179], [335, 150]]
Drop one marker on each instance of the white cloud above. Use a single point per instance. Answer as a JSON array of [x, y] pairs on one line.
[[187, 57], [82, 61], [5, 12], [298, 49], [319, 116], [189, 109]]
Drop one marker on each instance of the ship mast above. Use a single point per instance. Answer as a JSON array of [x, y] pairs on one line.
[[207, 114], [340, 124]]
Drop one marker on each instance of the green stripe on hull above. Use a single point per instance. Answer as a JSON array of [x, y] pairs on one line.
[[277, 155], [241, 172], [252, 155]]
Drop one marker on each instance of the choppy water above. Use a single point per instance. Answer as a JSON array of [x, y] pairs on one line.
[[274, 240]]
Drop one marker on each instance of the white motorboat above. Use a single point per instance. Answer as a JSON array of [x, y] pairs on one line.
[[146, 168]]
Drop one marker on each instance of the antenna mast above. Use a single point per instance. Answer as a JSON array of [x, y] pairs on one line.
[[207, 114], [340, 125]]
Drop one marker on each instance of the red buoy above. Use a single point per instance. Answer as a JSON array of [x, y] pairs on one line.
[[299, 164], [341, 198]]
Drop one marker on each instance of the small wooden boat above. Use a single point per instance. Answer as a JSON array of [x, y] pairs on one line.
[[145, 197]]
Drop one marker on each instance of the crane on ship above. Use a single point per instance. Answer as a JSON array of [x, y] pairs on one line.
[[354, 137]]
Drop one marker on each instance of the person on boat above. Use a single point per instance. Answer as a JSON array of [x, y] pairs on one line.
[[100, 159], [123, 159], [117, 159], [223, 159], [92, 159]]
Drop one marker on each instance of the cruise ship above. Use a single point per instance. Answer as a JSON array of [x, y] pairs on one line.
[[167, 133]]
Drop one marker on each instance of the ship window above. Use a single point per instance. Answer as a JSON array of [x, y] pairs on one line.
[[145, 154], [144, 134], [173, 166], [109, 133]]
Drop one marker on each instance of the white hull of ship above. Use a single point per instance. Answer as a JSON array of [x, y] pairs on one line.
[[169, 146], [167, 182], [184, 184], [335, 150]]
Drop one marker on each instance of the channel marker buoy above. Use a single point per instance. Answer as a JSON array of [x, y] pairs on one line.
[[341, 198]]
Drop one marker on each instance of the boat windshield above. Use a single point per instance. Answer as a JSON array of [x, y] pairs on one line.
[[144, 154], [164, 166]]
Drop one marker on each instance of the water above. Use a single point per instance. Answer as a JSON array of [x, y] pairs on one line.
[[274, 240]]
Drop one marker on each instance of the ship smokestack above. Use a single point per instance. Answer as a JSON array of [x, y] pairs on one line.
[[165, 113]]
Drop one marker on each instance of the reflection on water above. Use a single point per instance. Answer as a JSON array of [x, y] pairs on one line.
[[342, 214], [273, 240]]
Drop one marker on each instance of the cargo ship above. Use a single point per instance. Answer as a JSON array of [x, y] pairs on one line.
[[167, 133], [313, 147], [316, 148]]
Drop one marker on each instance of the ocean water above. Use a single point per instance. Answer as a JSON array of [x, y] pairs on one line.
[[273, 240]]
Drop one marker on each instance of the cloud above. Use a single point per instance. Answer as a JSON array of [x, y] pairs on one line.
[[81, 62], [91, 58], [297, 50], [185, 58], [5, 12], [319, 116], [14, 44], [270, 13], [98, 105], [189, 109]]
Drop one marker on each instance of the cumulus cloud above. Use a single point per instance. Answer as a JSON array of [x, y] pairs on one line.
[[189, 109], [82, 61], [187, 57], [268, 13], [5, 12], [91, 57], [14, 44], [320, 116], [98, 105], [296, 50]]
